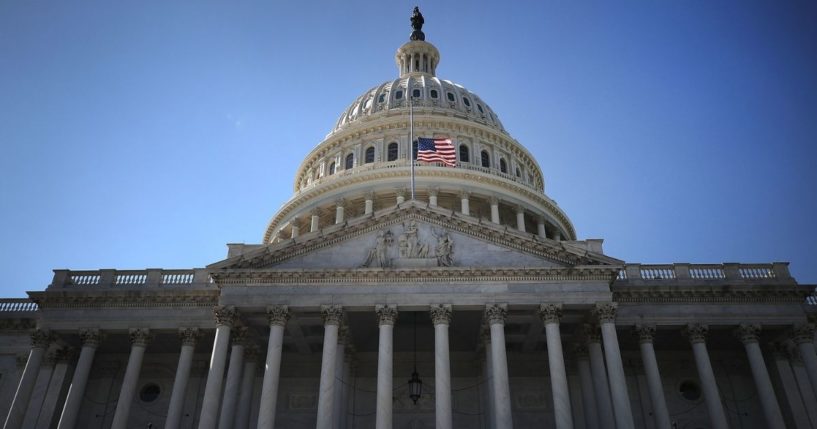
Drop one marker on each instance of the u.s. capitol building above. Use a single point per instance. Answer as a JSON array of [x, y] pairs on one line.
[[464, 301]]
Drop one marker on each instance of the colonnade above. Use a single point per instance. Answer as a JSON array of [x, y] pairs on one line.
[[605, 399], [340, 205]]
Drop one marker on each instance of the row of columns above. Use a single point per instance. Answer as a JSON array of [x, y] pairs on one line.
[[604, 392], [465, 209]]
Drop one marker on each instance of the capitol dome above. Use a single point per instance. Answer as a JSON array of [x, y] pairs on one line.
[[364, 163]]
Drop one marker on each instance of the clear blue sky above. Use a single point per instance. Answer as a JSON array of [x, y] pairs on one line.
[[149, 134]]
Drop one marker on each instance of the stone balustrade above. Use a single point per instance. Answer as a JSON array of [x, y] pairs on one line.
[[667, 274], [17, 305], [149, 278]]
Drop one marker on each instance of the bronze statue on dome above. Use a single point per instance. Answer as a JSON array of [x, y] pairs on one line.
[[417, 22]]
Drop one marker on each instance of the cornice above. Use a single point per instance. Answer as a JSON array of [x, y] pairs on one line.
[[275, 253], [375, 276], [125, 299], [707, 294], [365, 177]]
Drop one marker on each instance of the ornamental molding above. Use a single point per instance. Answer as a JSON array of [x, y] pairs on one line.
[[225, 315], [18, 324], [441, 314], [591, 333], [189, 336], [140, 336], [377, 276], [239, 336], [803, 333], [90, 337], [555, 251], [386, 314], [111, 298], [658, 294], [645, 333], [367, 176], [605, 312], [41, 339], [695, 332]]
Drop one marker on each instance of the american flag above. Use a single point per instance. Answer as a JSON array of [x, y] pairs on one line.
[[436, 150]]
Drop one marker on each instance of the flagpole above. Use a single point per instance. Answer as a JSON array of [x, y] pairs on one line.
[[411, 143]]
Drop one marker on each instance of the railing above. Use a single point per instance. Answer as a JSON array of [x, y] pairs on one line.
[[658, 273], [130, 278], [17, 305]]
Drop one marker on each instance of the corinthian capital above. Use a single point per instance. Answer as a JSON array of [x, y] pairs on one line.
[[803, 333], [90, 337], [550, 313], [605, 312], [225, 316], [332, 314], [645, 333], [139, 336], [696, 332], [189, 336], [278, 315], [496, 313], [747, 333], [41, 339], [386, 314], [441, 314]]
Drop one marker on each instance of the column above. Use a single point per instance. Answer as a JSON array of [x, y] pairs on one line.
[[315, 216], [332, 316], [748, 335], [551, 314], [277, 316], [489, 377], [339, 203], [494, 209], [464, 203], [90, 341], [242, 417], [804, 338], [557, 235], [139, 339], [401, 195], [225, 318], [368, 205], [660, 412], [35, 401], [188, 336], [337, 413], [790, 390], [232, 388], [520, 218], [56, 385], [600, 385], [591, 416], [606, 313], [697, 337], [39, 343], [540, 228], [294, 225], [441, 317], [432, 197], [386, 316], [495, 315]]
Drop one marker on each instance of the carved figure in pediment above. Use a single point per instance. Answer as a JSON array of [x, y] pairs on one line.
[[378, 255], [444, 250], [412, 248]]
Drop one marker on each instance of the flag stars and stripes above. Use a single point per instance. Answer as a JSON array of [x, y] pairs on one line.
[[436, 150]]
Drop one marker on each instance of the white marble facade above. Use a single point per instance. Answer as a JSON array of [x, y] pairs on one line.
[[478, 283]]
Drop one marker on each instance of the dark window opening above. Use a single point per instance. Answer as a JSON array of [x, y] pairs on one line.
[[350, 161], [382, 98], [518, 173], [369, 158], [466, 101], [503, 166], [150, 392], [398, 95], [331, 168], [464, 153], [434, 93], [450, 96], [486, 159], [392, 152], [415, 93], [479, 107]]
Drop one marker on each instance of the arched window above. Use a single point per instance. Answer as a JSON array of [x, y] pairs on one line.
[[479, 107], [450, 96], [381, 98], [415, 93], [464, 153], [486, 159], [369, 158], [350, 161], [503, 166], [398, 95], [518, 173], [331, 168], [433, 93], [392, 152], [466, 101]]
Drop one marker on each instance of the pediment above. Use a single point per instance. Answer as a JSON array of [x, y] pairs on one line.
[[414, 236]]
